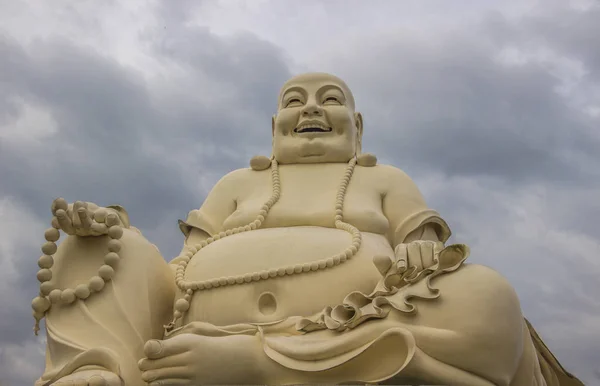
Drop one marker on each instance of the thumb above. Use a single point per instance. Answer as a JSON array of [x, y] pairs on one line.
[[155, 349]]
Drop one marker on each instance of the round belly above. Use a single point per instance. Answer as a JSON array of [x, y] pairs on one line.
[[300, 294]]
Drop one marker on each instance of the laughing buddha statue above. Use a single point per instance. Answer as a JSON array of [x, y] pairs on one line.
[[316, 265]]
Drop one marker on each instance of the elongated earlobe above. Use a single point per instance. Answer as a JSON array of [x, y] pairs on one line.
[[358, 121], [366, 159], [260, 162]]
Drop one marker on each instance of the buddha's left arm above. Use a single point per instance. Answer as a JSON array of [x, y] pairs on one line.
[[426, 232], [407, 212]]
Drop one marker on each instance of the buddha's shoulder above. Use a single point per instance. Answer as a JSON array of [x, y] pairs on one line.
[[387, 176], [386, 171], [241, 179], [378, 175], [239, 176]]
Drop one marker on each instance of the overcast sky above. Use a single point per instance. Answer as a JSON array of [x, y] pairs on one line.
[[492, 107]]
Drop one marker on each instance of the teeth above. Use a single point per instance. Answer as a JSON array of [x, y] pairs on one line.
[[313, 125]]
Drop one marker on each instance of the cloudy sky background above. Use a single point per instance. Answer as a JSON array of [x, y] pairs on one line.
[[492, 107]]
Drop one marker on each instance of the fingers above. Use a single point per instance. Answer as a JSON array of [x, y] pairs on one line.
[[177, 360], [427, 251], [401, 257], [179, 373], [391, 281], [64, 221], [59, 203], [84, 218], [106, 216], [170, 382], [92, 208], [100, 215], [74, 213], [70, 383], [437, 247], [156, 349], [97, 380], [383, 263], [414, 256], [98, 229], [97, 221], [90, 378], [112, 219]]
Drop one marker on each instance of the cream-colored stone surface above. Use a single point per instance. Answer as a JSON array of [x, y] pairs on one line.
[[314, 265]]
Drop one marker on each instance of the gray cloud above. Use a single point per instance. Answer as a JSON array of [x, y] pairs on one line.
[[448, 105]]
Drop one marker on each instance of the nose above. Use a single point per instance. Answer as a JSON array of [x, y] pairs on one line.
[[312, 110]]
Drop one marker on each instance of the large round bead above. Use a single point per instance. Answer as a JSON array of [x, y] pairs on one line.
[[54, 296], [46, 288], [112, 259], [111, 220], [106, 272], [67, 295], [49, 248], [114, 245], [115, 232], [52, 234], [96, 283], [182, 305], [46, 261], [61, 203], [82, 291], [100, 215], [40, 304], [44, 275]]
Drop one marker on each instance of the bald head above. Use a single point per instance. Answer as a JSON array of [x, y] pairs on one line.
[[316, 80], [316, 121]]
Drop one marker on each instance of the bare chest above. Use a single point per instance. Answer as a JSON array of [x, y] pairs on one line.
[[308, 197]]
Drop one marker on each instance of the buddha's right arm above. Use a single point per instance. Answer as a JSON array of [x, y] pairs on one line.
[[194, 237], [208, 220]]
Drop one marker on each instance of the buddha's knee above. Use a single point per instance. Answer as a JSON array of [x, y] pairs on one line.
[[137, 289], [469, 297], [476, 287], [78, 259]]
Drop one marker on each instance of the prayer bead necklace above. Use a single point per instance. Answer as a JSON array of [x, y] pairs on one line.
[[182, 305], [50, 295]]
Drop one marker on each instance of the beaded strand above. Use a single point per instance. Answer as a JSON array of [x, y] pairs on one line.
[[182, 305], [50, 295]]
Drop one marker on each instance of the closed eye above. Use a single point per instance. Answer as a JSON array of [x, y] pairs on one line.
[[331, 99], [292, 101]]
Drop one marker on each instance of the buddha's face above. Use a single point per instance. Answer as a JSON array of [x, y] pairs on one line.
[[315, 121]]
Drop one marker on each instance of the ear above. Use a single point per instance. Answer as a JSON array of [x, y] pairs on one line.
[[358, 121], [272, 157]]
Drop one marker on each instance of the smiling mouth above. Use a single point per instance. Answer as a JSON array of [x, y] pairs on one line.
[[312, 128]]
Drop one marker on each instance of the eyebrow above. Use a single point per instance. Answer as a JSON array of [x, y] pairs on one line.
[[331, 86], [302, 91], [290, 89]]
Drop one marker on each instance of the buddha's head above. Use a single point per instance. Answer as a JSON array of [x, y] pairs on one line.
[[316, 121]]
